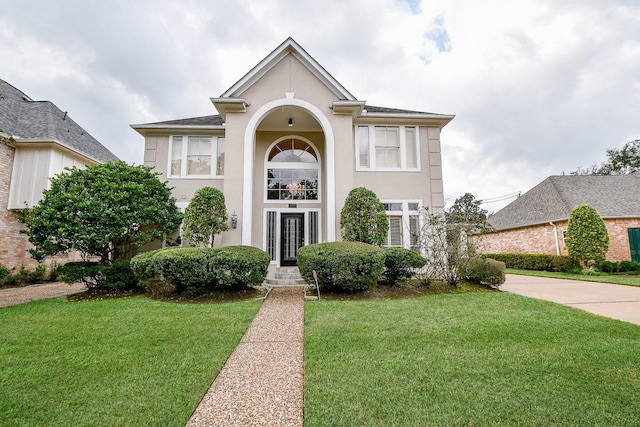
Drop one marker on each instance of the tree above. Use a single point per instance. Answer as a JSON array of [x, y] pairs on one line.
[[100, 211], [619, 162], [466, 212], [363, 218], [586, 236], [205, 217]]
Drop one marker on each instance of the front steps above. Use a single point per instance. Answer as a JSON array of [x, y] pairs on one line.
[[285, 276]]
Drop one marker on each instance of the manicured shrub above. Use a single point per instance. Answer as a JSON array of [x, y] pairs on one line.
[[204, 269], [399, 264], [485, 271], [4, 273], [608, 267], [629, 266], [342, 266], [363, 219], [114, 276], [538, 262], [586, 237]]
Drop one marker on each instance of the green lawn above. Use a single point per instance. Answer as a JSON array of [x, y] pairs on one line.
[[132, 361], [617, 279], [483, 359]]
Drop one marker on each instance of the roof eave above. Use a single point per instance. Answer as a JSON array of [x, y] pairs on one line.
[[441, 120], [148, 129]]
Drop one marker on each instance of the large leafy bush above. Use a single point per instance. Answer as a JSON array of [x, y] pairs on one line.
[[101, 210], [484, 271], [342, 266]]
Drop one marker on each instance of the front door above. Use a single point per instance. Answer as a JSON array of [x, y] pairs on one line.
[[292, 237]]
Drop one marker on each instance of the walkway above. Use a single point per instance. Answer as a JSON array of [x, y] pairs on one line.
[[262, 382], [15, 296], [615, 301]]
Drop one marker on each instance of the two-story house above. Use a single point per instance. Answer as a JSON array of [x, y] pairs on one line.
[[288, 144]]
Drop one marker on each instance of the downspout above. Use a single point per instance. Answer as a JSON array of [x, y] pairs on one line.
[[555, 235]]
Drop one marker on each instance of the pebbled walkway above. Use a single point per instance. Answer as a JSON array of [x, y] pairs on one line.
[[262, 382], [15, 296]]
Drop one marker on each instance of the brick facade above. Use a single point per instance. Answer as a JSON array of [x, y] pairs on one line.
[[13, 244], [541, 239]]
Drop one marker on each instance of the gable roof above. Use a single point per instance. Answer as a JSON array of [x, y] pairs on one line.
[[613, 196], [41, 121], [289, 46]]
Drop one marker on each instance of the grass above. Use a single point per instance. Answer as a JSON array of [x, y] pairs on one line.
[[617, 279], [130, 361], [489, 359]]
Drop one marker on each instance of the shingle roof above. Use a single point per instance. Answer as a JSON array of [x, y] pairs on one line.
[[613, 196], [374, 109], [23, 118], [215, 120]]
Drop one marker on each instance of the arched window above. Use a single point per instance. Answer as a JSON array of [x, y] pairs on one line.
[[292, 171]]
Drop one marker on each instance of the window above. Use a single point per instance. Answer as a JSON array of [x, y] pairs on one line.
[[292, 171], [196, 156], [393, 148], [404, 224]]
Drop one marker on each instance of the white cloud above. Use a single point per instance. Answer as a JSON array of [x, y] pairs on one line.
[[538, 87]]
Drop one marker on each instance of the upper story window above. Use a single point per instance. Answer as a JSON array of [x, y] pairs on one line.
[[387, 148], [292, 171], [196, 156]]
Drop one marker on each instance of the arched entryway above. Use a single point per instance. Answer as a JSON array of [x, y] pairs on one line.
[[298, 185]]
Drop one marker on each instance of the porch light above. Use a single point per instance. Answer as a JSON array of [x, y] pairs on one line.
[[290, 122], [234, 220]]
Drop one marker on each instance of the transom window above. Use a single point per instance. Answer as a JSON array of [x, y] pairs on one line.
[[292, 171], [196, 156], [387, 148]]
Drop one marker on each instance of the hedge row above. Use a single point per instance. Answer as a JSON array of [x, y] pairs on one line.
[[540, 262], [203, 269]]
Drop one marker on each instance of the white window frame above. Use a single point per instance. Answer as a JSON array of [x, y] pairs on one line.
[[405, 213], [183, 161], [294, 165], [371, 134]]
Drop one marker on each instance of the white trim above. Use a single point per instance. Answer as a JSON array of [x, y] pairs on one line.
[[249, 149], [402, 149], [183, 158], [405, 213]]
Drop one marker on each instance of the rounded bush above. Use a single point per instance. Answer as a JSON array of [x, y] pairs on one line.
[[202, 269], [342, 266], [399, 264], [485, 271]]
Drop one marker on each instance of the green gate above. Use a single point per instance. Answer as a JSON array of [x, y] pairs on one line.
[[634, 243]]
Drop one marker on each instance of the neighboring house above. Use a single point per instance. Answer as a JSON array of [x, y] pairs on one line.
[[37, 141], [536, 222], [288, 145]]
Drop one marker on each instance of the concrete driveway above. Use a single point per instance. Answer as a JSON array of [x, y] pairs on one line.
[[615, 301]]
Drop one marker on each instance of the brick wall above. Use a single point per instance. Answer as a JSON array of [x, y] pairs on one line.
[[540, 239], [12, 243]]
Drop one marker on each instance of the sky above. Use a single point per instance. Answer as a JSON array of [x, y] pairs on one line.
[[538, 87]]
